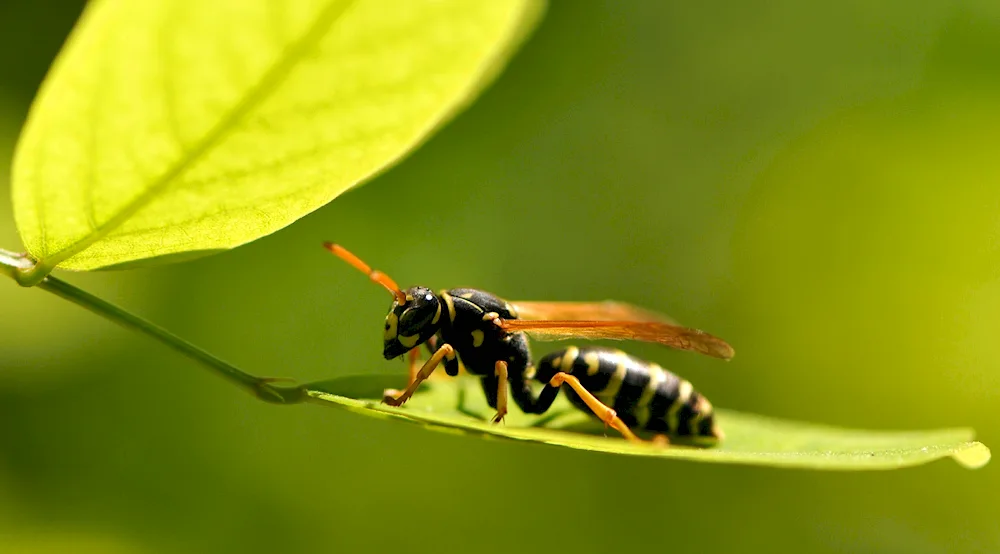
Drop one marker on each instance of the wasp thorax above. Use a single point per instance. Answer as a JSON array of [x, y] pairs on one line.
[[412, 322]]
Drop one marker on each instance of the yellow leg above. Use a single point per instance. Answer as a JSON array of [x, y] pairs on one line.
[[415, 363], [606, 414], [414, 366], [396, 398], [501, 372]]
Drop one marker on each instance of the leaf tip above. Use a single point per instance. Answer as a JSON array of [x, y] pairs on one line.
[[972, 455]]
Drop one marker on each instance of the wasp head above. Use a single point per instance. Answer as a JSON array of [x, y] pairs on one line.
[[411, 323]]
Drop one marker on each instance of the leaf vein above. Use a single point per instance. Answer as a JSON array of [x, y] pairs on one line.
[[95, 113], [286, 160], [270, 81], [249, 206]]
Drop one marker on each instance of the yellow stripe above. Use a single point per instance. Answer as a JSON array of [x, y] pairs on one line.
[[475, 306], [701, 410], [530, 372], [477, 338], [684, 390], [409, 341], [593, 362], [704, 406], [642, 407], [567, 362], [614, 383], [451, 305], [437, 314], [393, 321]]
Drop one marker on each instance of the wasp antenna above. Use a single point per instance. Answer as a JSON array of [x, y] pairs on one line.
[[374, 275]]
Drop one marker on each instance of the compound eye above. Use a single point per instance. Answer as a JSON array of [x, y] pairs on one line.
[[414, 319], [407, 317]]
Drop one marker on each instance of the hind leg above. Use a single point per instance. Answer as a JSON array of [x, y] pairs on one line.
[[604, 413], [550, 372]]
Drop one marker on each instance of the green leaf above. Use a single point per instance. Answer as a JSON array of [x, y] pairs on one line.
[[458, 405], [169, 126]]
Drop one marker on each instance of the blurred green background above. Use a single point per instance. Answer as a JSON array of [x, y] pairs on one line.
[[816, 182]]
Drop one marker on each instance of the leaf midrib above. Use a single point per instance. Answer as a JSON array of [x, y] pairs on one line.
[[270, 81]]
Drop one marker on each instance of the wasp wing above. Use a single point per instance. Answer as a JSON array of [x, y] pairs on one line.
[[608, 310], [674, 336]]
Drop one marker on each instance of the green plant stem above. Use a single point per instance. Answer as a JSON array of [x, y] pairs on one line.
[[12, 264]]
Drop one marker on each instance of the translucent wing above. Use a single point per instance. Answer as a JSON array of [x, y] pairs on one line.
[[608, 310], [668, 334]]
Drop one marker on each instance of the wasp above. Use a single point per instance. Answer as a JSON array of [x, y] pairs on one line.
[[488, 336]]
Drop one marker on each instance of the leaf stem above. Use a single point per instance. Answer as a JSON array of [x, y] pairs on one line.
[[31, 274], [13, 264]]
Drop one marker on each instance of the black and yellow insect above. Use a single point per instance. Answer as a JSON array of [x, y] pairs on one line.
[[488, 335]]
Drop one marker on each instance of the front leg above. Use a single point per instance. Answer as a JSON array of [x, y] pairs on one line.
[[415, 363], [391, 397]]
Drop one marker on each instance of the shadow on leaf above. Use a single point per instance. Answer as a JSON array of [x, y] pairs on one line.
[[451, 405]]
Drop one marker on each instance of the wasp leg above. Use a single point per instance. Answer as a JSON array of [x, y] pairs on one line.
[[395, 398], [525, 398], [606, 414], [414, 366], [415, 362], [451, 365], [501, 373]]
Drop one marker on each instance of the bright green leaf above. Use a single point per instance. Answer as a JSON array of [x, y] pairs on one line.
[[171, 126], [458, 405]]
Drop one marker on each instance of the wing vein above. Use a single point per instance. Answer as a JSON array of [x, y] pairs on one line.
[[674, 336]]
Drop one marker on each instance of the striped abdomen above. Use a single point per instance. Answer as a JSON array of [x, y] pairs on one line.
[[645, 395]]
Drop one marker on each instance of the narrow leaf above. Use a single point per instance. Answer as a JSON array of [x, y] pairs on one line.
[[458, 405], [170, 126]]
